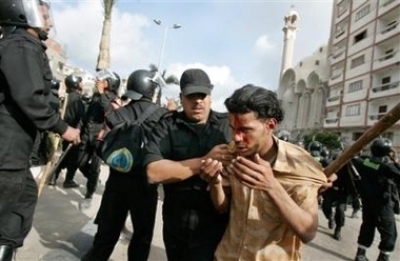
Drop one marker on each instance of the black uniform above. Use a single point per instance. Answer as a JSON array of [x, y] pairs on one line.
[[192, 227], [378, 193], [24, 76], [337, 196], [88, 161], [127, 192], [74, 112]]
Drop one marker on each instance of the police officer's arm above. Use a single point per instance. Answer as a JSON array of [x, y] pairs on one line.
[[21, 68], [159, 168], [219, 186]]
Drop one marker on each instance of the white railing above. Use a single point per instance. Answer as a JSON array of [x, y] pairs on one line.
[[336, 76], [386, 86], [386, 56], [386, 3], [389, 28], [333, 98], [331, 120], [375, 117], [340, 33]]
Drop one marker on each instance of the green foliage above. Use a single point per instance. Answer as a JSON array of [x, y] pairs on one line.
[[328, 138]]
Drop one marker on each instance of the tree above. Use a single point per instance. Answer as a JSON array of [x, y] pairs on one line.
[[162, 80], [328, 138], [103, 60]]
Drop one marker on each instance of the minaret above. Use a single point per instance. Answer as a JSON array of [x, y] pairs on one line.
[[289, 35]]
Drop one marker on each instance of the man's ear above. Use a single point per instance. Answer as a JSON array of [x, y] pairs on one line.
[[272, 124]]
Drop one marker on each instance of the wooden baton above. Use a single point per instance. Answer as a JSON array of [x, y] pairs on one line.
[[372, 133]]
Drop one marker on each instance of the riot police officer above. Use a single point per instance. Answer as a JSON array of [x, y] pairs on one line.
[[378, 192], [74, 112], [25, 76], [129, 192]]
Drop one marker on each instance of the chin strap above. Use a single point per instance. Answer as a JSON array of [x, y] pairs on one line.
[[43, 36]]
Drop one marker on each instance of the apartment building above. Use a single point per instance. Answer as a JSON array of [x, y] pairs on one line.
[[364, 54]]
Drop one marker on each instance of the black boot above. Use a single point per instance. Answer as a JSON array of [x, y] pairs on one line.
[[331, 222], [53, 180], [383, 257], [6, 253], [337, 235], [360, 256]]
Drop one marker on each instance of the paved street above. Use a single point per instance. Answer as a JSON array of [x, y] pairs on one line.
[[62, 232]]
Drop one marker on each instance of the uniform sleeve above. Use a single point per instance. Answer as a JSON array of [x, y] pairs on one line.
[[22, 68], [106, 104], [158, 145]]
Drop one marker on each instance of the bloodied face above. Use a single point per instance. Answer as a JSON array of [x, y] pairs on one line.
[[250, 134]]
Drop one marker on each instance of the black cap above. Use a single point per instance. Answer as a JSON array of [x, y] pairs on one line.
[[195, 81]]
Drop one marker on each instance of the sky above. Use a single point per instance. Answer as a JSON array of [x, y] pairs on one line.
[[236, 42]]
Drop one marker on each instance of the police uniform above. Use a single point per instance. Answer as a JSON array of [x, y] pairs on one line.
[[25, 74], [127, 192], [192, 228], [378, 197]]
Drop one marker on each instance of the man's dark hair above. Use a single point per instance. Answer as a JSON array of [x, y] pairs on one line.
[[250, 98]]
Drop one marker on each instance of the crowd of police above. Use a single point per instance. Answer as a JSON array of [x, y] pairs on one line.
[[30, 107], [370, 183]]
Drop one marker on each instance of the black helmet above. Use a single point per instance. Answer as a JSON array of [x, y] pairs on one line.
[[284, 135], [325, 152], [315, 146], [140, 84], [381, 147], [72, 83], [114, 83], [55, 84], [26, 13]]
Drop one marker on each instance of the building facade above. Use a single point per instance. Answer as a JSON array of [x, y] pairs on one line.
[[364, 54], [303, 88]]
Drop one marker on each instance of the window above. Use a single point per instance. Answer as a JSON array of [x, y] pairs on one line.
[[316, 62], [353, 110], [355, 86], [357, 135], [301, 64], [363, 12], [386, 80], [360, 36], [382, 109], [357, 61], [342, 7], [387, 135], [321, 49]]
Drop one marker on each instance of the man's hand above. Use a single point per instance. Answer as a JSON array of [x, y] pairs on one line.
[[222, 153], [329, 183], [101, 85], [72, 135], [255, 174], [171, 104], [210, 170]]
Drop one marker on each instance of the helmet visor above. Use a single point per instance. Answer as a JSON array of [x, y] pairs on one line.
[[38, 14]]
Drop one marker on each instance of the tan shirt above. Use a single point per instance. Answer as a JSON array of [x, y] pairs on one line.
[[256, 230]]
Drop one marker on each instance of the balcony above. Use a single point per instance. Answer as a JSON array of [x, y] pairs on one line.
[[387, 5], [333, 101], [340, 35], [331, 122], [386, 60], [337, 76], [338, 55], [388, 89], [387, 32], [374, 117]]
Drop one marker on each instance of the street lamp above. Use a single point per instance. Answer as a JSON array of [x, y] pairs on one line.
[[174, 26]]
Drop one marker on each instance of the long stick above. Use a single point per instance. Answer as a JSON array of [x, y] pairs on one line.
[[56, 141], [377, 129]]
